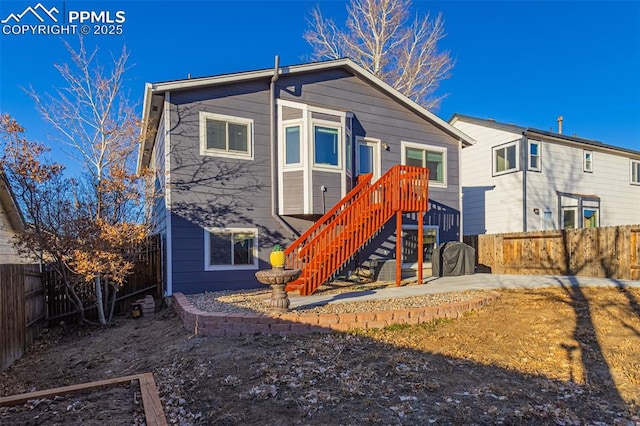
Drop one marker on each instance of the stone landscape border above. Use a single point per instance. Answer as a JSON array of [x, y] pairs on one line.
[[236, 324]]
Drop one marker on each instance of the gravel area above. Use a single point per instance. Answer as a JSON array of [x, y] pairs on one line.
[[256, 301]]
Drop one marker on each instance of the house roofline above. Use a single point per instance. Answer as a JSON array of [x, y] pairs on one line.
[[537, 133], [144, 153]]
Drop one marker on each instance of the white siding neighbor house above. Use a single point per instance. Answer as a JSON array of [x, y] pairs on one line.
[[519, 179], [10, 222]]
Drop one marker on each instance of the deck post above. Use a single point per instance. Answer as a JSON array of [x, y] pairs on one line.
[[398, 247], [420, 245]]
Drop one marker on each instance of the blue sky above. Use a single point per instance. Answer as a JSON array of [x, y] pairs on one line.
[[518, 62]]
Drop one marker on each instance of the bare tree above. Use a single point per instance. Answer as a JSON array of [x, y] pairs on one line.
[[380, 38], [97, 122]]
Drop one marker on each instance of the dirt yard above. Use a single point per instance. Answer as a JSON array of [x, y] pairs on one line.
[[550, 356]]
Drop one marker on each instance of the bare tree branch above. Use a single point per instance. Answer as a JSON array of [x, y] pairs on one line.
[[379, 37]]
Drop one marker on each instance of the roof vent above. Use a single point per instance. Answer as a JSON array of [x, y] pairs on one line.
[[560, 124]]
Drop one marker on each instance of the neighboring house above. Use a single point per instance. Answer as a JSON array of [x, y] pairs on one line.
[[242, 161], [10, 222], [518, 179]]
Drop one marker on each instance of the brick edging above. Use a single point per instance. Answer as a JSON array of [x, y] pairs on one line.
[[225, 324]]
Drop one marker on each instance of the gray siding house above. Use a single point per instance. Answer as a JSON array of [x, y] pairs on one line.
[[243, 161]]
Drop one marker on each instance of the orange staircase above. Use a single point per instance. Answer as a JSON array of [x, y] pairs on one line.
[[338, 235]]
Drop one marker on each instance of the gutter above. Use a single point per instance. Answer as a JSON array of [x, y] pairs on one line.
[[274, 151]]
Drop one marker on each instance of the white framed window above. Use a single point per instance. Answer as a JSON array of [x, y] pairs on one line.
[[226, 136], [590, 217], [292, 133], [569, 217], [635, 172], [368, 156], [534, 156], [326, 144], [433, 158], [230, 249], [587, 163], [505, 158]]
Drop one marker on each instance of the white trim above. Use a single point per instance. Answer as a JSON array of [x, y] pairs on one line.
[[207, 245], [504, 146], [429, 148], [586, 169], [574, 209], [328, 125], [204, 116], [167, 194], [376, 144], [283, 126], [529, 156], [637, 164]]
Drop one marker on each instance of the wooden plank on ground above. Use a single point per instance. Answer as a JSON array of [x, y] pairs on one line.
[[152, 407]]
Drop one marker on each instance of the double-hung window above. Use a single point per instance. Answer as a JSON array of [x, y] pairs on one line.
[[433, 158], [231, 248], [534, 156], [292, 146], [635, 172], [587, 163], [505, 158], [226, 136]]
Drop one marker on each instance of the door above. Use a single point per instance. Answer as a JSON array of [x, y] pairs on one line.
[[368, 157]]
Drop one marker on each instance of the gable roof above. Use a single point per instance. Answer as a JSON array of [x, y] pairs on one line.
[[154, 94], [8, 203], [537, 133]]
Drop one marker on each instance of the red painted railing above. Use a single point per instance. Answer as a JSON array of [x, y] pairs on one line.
[[338, 235]]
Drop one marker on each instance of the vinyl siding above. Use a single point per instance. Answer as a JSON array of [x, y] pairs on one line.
[[158, 209], [495, 204], [209, 191], [8, 253], [491, 204], [293, 190], [376, 116], [562, 171]]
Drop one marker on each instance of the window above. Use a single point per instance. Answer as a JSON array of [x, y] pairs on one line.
[[226, 136], [588, 161], [579, 210], [590, 218], [410, 247], [505, 158], [292, 145], [231, 248], [547, 220], [534, 156], [326, 146], [368, 157], [635, 172], [569, 218], [432, 157]]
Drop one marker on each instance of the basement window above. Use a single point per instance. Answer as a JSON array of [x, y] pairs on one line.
[[231, 249]]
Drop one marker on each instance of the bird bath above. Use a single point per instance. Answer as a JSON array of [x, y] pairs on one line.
[[278, 278]]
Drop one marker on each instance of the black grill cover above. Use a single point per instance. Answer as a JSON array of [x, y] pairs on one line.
[[453, 258]]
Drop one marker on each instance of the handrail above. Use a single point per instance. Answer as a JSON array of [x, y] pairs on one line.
[[354, 220], [325, 218]]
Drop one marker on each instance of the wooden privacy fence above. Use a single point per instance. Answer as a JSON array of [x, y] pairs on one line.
[[145, 279], [22, 310], [611, 252]]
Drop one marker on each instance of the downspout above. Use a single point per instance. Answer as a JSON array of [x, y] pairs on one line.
[[274, 151], [524, 161]]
